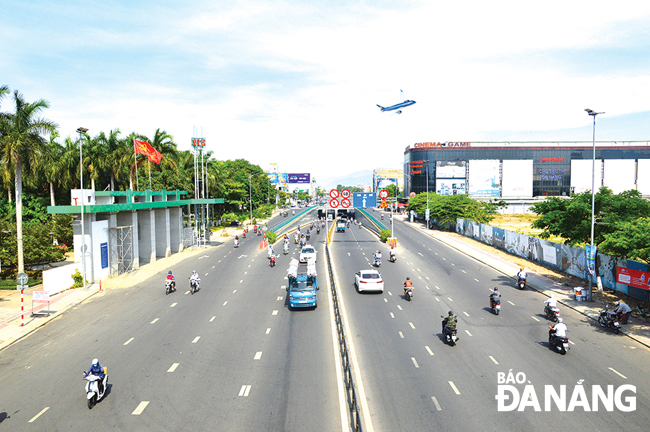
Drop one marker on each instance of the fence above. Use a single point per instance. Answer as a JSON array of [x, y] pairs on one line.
[[352, 396], [569, 259]]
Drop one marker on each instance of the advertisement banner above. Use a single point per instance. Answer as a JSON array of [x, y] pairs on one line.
[[484, 178], [635, 278], [451, 186], [591, 259], [274, 177], [298, 177], [450, 169]]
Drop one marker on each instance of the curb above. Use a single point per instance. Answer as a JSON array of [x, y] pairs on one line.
[[537, 289]]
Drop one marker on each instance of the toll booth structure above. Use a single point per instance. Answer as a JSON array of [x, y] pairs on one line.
[[126, 229]]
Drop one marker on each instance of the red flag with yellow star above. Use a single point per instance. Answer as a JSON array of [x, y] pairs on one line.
[[144, 148]]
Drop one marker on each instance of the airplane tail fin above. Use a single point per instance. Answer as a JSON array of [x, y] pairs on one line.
[[380, 106]]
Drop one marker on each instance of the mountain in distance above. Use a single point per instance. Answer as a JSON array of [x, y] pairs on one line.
[[355, 179]]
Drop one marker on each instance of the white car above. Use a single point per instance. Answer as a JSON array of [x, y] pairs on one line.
[[368, 280], [307, 253]]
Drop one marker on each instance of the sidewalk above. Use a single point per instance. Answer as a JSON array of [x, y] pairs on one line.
[[10, 313], [637, 329]]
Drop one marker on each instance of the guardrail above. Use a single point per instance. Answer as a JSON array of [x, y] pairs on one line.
[[281, 225], [352, 395], [374, 224]]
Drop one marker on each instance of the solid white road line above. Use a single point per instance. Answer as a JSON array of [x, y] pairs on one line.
[[212, 319], [435, 402], [618, 373], [511, 302], [495, 362], [454, 387], [258, 355], [399, 307], [466, 314], [38, 415], [275, 312], [154, 321], [138, 410], [225, 303], [128, 342], [196, 339], [412, 326], [429, 350], [468, 333], [415, 362], [392, 315], [173, 367], [268, 330], [535, 319], [401, 335], [173, 304]]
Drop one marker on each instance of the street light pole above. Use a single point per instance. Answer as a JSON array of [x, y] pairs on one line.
[[82, 131], [426, 214], [593, 194]]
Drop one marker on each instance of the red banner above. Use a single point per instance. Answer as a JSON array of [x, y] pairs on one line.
[[635, 278], [144, 148]]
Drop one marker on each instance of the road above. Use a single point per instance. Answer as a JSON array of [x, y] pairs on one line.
[[231, 357], [413, 381]]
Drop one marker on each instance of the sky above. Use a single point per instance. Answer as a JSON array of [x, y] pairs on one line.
[[297, 82]]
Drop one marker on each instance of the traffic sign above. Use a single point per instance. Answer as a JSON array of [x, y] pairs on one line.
[[345, 203], [364, 199], [383, 194], [345, 193], [383, 204], [22, 278], [334, 203], [334, 193]]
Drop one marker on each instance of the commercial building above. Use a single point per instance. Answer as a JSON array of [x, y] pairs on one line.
[[523, 170]]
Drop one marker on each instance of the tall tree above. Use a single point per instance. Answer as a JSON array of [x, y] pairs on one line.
[[21, 144]]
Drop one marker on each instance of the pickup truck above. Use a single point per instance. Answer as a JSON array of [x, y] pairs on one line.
[[340, 225], [303, 284]]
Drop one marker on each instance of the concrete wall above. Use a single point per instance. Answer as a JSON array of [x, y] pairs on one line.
[[100, 241], [60, 278], [175, 229], [146, 248], [161, 229]]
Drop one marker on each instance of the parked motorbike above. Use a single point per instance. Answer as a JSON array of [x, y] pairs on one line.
[[608, 319], [559, 343], [169, 287], [496, 307], [92, 388], [521, 284], [194, 286], [552, 313]]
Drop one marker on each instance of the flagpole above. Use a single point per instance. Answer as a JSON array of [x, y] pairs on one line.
[[135, 156], [149, 167]]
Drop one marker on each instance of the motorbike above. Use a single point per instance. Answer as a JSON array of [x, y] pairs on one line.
[[285, 249], [318, 230], [608, 319], [521, 284], [92, 388], [408, 293], [169, 286], [392, 258], [561, 344], [272, 261], [236, 243], [308, 236], [496, 306], [259, 232], [244, 234], [194, 286], [552, 313], [295, 238], [377, 262], [450, 335]]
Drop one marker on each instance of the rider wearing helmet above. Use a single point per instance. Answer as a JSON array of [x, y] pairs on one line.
[[495, 297], [623, 311], [559, 330], [170, 276], [378, 255], [522, 275], [449, 322], [407, 284], [97, 370], [195, 278]]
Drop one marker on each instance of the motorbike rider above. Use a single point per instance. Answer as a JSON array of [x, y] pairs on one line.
[[495, 297], [407, 285], [318, 229], [559, 329], [392, 253], [449, 323], [522, 275], [551, 302], [623, 311], [97, 370], [270, 250], [195, 278], [170, 276], [378, 256]]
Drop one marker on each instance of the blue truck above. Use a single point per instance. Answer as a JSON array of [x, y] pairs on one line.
[[303, 284]]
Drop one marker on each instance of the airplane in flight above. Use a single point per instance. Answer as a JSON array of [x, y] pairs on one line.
[[397, 107]]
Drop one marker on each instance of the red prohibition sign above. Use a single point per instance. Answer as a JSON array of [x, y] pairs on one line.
[[334, 193], [334, 203], [383, 194], [345, 193], [345, 203]]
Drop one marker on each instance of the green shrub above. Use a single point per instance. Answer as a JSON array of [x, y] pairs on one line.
[[384, 234], [272, 236]]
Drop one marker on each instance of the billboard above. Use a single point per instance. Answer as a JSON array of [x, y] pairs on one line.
[[619, 174], [274, 177], [298, 178], [484, 178], [643, 176], [450, 169], [581, 175], [517, 178], [451, 186]]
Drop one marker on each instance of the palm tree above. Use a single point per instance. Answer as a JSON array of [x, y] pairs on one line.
[[48, 165], [116, 149], [5, 173], [21, 144]]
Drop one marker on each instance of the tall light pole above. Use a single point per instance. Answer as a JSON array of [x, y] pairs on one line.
[[82, 131], [593, 195], [426, 214]]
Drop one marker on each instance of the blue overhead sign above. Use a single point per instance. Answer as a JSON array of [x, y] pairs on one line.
[[364, 199]]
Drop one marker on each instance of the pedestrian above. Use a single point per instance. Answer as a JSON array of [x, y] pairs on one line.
[[623, 311]]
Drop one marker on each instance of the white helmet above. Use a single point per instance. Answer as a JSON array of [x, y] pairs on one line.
[[95, 362], [560, 320], [552, 295]]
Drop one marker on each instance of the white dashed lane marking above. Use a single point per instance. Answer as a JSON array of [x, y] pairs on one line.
[[385, 299], [173, 304], [225, 303], [275, 312], [401, 335], [437, 287], [128, 342], [390, 293], [138, 410], [268, 330], [173, 367], [463, 271], [154, 321], [212, 319], [468, 333], [449, 298], [454, 387], [435, 402], [399, 307], [415, 362], [392, 315], [428, 350], [412, 326], [535, 318], [258, 355], [511, 302], [466, 314], [196, 339], [618, 373], [495, 362], [39, 414]]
